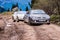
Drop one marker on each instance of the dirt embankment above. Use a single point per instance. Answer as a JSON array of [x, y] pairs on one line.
[[48, 32], [22, 31]]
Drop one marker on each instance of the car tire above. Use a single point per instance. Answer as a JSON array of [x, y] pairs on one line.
[[13, 19], [17, 19], [48, 23], [29, 22], [25, 21]]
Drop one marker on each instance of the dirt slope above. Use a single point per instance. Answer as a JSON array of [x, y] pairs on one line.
[[48, 32], [22, 31]]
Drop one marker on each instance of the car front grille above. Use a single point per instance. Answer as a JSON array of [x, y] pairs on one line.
[[39, 21], [44, 17], [41, 17]]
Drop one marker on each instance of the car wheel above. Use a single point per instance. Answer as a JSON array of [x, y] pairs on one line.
[[25, 21], [29, 22], [17, 19], [48, 23], [13, 19]]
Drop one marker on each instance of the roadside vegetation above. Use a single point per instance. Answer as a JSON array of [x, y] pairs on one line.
[[7, 13], [55, 19]]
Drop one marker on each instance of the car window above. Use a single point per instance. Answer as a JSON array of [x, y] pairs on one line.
[[22, 12], [37, 12]]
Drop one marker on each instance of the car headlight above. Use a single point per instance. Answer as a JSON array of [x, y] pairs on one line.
[[33, 18], [47, 17]]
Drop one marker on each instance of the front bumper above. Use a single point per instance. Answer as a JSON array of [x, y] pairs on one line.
[[40, 21], [20, 18]]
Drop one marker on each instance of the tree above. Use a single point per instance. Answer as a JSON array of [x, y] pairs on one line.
[[33, 2]]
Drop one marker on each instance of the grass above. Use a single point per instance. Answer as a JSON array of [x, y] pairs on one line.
[[7, 13]]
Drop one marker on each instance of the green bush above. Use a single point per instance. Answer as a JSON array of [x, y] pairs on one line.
[[55, 18]]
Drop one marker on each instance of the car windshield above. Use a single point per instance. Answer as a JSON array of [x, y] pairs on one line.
[[22, 12], [38, 12]]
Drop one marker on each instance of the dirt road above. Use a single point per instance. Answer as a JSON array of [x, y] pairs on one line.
[[22, 31]]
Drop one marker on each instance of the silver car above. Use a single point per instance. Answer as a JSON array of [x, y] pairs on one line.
[[37, 17], [19, 15]]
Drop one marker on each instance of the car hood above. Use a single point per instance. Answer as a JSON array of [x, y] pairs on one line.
[[20, 15], [40, 15]]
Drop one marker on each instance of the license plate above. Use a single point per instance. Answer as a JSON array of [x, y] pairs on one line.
[[41, 20]]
